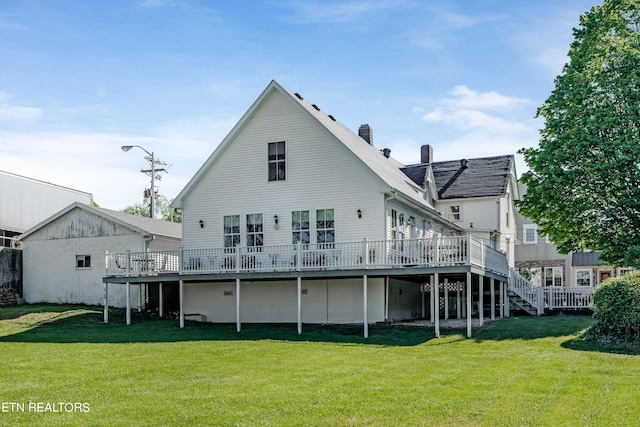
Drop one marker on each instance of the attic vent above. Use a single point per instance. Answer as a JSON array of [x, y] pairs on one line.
[[386, 152], [332, 118], [315, 106], [299, 96]]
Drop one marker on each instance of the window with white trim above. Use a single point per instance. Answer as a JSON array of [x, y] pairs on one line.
[[455, 213], [325, 227], [583, 277], [530, 234], [553, 276], [300, 227], [277, 163], [255, 231], [83, 261], [231, 232]]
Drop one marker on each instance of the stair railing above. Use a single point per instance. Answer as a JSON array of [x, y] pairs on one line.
[[526, 290]]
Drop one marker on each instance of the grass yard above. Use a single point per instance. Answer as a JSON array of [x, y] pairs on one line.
[[515, 372]]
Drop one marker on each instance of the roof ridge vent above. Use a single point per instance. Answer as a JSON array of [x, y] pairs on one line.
[[315, 106], [298, 96]]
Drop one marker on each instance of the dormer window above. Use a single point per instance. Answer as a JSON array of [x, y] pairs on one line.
[[277, 170]]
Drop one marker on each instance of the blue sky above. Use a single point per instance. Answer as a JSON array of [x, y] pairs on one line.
[[78, 79]]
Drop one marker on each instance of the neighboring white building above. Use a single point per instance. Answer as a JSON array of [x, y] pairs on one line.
[[25, 202], [294, 217], [64, 256]]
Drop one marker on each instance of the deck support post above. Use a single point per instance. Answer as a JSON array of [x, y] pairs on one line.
[[299, 305], [160, 300], [481, 299], [436, 305], [238, 324], [469, 312], [431, 299], [507, 311], [501, 292], [128, 303], [181, 297], [458, 308], [106, 303], [446, 299], [366, 318], [424, 313], [493, 298]]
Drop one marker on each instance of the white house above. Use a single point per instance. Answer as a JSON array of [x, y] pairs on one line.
[[476, 194], [295, 218], [64, 256]]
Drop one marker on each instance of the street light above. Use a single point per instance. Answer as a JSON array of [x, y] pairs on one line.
[[126, 148]]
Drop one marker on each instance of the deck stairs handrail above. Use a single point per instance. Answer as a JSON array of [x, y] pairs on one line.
[[527, 295]]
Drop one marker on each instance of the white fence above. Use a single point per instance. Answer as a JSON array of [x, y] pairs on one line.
[[550, 298], [436, 252]]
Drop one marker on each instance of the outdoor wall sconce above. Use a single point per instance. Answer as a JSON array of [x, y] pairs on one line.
[[201, 222], [359, 213], [275, 222], [410, 222]]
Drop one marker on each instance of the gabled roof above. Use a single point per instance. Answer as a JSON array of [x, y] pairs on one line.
[[483, 177], [142, 225], [385, 169]]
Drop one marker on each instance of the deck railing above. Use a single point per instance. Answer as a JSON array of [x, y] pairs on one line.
[[573, 298], [368, 254], [552, 297]]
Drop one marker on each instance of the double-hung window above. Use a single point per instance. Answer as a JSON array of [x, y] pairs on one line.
[[530, 234], [325, 227], [300, 227], [553, 276], [255, 233], [583, 277], [231, 231], [277, 170]]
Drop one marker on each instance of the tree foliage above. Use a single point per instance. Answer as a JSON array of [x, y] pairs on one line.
[[617, 307], [583, 187], [162, 209]]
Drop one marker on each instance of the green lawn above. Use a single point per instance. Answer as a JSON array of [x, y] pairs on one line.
[[515, 372]]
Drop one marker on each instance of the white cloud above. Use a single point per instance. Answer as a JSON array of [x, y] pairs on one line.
[[93, 162], [467, 98], [9, 111], [465, 111]]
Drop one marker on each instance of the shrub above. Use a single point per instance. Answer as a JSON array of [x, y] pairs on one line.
[[617, 307]]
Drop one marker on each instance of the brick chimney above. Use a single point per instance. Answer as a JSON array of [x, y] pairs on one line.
[[366, 133], [426, 154]]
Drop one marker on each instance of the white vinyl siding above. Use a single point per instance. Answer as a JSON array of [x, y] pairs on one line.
[[317, 169]]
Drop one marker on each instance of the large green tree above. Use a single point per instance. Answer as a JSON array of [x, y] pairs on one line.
[[162, 209], [583, 187]]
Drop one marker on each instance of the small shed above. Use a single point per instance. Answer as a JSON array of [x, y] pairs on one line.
[[64, 256]]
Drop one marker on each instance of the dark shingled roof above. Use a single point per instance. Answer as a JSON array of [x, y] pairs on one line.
[[483, 177], [416, 173], [585, 259]]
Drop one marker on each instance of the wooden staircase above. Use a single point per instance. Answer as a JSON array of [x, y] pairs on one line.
[[524, 295], [516, 302]]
